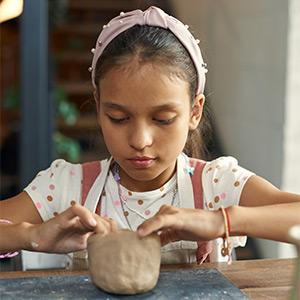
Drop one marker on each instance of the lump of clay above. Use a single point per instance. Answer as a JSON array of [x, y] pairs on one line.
[[123, 263]]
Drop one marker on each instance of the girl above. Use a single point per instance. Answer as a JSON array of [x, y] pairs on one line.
[[148, 76]]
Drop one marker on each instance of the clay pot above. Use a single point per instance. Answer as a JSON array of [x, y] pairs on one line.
[[123, 263]]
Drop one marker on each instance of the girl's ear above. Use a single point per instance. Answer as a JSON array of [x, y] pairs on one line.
[[196, 112]]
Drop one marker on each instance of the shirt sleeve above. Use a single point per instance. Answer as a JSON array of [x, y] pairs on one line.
[[223, 181], [53, 190]]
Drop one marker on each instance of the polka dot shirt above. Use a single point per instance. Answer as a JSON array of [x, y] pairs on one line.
[[55, 189], [136, 206]]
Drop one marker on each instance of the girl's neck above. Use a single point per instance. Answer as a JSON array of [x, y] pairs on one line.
[[144, 186]]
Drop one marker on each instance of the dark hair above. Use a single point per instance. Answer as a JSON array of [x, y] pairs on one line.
[[158, 45]]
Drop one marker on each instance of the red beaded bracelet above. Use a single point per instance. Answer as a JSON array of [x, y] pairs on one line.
[[226, 247]]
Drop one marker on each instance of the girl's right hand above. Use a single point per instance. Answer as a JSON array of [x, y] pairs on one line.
[[69, 231], [175, 224]]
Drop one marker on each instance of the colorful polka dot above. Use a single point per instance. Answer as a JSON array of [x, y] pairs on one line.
[[49, 198], [52, 187], [210, 205], [163, 195], [162, 188], [216, 180], [209, 169], [126, 213], [147, 212], [55, 214], [117, 202], [51, 175], [129, 193], [103, 193], [223, 195], [33, 188], [217, 199], [38, 205], [140, 202], [237, 183], [73, 202], [234, 170]]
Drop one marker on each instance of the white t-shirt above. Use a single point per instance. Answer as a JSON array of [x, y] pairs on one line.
[[53, 190]]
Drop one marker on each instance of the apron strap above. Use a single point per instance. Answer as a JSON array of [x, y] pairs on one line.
[[90, 171], [92, 200], [204, 248]]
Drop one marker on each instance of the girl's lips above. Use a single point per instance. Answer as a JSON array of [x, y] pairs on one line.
[[141, 162]]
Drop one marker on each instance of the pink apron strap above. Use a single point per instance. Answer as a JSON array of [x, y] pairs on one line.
[[90, 172], [204, 248]]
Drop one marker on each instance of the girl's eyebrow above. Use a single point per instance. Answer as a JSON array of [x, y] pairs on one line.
[[162, 107], [114, 106], [167, 106]]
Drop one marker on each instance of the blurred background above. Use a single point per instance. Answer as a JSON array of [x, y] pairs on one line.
[[253, 86]]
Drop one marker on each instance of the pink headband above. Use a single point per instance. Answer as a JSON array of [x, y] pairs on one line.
[[153, 16]]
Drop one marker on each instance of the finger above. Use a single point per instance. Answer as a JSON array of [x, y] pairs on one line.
[[86, 216], [146, 227], [113, 225], [159, 222], [80, 226], [78, 242], [103, 225], [165, 208], [168, 236]]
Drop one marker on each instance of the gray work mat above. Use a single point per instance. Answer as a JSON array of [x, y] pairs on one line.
[[180, 284]]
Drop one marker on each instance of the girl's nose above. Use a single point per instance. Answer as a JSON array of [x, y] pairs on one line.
[[140, 137]]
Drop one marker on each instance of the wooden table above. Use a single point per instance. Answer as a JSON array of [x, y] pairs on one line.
[[259, 279]]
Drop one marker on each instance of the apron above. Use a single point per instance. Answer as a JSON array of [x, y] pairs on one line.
[[190, 193]]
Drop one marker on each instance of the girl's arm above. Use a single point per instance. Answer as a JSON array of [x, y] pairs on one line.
[[264, 212], [270, 222], [67, 232], [20, 209], [15, 237]]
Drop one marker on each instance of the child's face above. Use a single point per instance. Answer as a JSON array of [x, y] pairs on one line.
[[145, 116]]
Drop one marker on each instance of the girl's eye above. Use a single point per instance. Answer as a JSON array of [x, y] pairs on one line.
[[118, 120], [164, 121]]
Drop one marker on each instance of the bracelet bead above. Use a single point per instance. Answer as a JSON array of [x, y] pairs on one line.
[[226, 247]]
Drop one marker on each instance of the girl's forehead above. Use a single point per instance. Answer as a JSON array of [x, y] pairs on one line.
[[148, 82], [143, 69]]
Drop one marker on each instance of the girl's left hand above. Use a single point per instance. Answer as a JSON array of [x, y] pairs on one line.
[[69, 231], [189, 224]]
